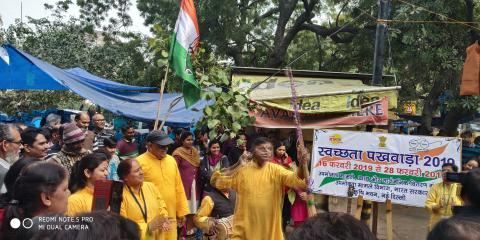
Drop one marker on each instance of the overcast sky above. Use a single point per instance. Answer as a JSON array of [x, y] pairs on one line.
[[11, 10]]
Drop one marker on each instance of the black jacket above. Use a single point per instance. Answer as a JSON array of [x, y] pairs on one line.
[[466, 211], [206, 172]]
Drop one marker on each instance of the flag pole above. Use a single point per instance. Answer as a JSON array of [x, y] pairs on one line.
[[162, 89]]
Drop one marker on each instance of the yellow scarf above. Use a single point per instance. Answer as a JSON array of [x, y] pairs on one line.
[[190, 156]]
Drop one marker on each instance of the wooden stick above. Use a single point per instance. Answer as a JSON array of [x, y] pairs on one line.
[[162, 89], [302, 153], [389, 219], [169, 111], [366, 215], [358, 211], [350, 192], [375, 218]]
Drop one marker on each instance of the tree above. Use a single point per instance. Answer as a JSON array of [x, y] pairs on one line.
[[240, 30], [71, 44], [433, 54], [425, 56]]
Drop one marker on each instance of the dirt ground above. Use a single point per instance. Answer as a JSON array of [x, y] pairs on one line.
[[408, 222]]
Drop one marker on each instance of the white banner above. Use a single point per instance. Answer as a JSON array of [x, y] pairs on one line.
[[380, 166]]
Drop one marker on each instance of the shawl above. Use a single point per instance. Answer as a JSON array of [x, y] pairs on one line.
[[190, 156], [287, 165], [213, 160]]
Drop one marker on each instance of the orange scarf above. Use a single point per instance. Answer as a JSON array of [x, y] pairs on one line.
[[191, 156]]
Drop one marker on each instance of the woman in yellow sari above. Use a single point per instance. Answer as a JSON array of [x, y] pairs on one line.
[[142, 203]]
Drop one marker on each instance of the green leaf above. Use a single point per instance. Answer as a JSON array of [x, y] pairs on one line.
[[208, 110], [162, 62], [291, 195], [225, 97], [240, 98], [212, 123], [164, 54], [236, 127], [212, 134]]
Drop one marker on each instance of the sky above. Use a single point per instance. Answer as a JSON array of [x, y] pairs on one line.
[[11, 10]]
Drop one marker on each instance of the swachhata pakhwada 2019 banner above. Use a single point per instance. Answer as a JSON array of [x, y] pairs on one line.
[[380, 166]]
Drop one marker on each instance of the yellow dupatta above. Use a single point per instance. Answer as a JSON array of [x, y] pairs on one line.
[[190, 156]]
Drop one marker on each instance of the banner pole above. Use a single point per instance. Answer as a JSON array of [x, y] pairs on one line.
[[162, 89]]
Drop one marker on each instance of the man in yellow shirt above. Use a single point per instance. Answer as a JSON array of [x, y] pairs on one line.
[[260, 191], [161, 169], [442, 197]]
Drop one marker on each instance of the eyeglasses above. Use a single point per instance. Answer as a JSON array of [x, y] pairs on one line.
[[161, 147], [20, 142], [99, 120]]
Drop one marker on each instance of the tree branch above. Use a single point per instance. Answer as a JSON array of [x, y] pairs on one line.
[[253, 3], [236, 55], [282, 40], [255, 40], [325, 32], [469, 7], [267, 14], [339, 12]]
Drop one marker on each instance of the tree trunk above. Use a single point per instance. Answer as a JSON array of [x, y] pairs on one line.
[[469, 7], [450, 123], [430, 105]]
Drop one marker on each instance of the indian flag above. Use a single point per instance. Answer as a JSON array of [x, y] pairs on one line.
[[185, 41]]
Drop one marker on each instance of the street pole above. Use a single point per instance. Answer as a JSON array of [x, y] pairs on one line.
[[381, 33], [378, 59]]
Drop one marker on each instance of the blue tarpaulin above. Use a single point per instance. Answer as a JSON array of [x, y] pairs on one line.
[[21, 71]]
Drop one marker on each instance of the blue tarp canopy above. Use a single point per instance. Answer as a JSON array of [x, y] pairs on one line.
[[21, 71]]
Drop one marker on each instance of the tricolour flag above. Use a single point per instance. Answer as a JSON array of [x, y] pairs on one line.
[[185, 41]]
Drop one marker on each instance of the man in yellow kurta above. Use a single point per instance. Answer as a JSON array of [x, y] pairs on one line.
[[161, 170], [260, 187], [442, 197]]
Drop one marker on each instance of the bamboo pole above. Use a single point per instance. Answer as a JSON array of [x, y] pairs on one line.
[[358, 211], [366, 212], [162, 89], [389, 219]]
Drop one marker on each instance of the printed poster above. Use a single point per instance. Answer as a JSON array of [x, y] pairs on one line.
[[380, 166]]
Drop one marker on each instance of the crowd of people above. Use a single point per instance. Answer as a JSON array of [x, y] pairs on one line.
[[180, 184]]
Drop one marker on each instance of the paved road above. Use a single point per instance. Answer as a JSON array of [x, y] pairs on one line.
[[408, 222]]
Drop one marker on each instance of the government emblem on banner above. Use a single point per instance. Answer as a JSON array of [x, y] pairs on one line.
[[383, 142]]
